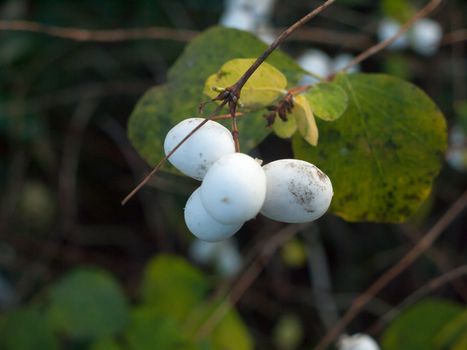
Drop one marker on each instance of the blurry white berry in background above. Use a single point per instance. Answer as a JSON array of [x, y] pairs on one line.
[[358, 341], [297, 191], [203, 225], [252, 16], [223, 256], [201, 150], [426, 36], [387, 29], [340, 61], [314, 61], [456, 156], [234, 189]]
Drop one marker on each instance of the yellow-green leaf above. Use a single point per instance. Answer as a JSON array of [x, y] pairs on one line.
[[305, 120], [285, 129], [383, 153], [328, 101], [262, 88]]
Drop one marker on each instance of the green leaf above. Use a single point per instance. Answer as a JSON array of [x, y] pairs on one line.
[[285, 129], [328, 101], [264, 86], [416, 328], [172, 286], [383, 153], [105, 344], [87, 303], [149, 330], [229, 327], [163, 107], [452, 331], [305, 120], [25, 329], [461, 344]]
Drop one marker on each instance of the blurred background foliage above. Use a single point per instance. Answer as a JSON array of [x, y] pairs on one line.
[[78, 271]]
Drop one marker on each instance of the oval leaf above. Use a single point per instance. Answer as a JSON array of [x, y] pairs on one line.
[[87, 304], [328, 101], [173, 286], [264, 86], [25, 329], [383, 153], [305, 120], [416, 328], [285, 129]]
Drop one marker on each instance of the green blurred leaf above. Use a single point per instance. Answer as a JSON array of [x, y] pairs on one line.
[[285, 129], [416, 328], [401, 10], [261, 89], [163, 107], [230, 333], [293, 253], [105, 344], [87, 303], [383, 153], [452, 332], [25, 329], [328, 101], [305, 120], [172, 286], [149, 330], [461, 344], [288, 332]]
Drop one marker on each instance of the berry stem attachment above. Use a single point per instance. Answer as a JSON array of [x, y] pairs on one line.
[[163, 160]]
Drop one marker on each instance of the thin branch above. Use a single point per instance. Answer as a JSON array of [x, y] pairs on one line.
[[424, 244], [436, 283], [108, 36], [247, 278], [430, 7], [279, 40], [454, 37]]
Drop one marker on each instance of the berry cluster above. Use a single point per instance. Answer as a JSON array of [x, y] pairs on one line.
[[235, 188]]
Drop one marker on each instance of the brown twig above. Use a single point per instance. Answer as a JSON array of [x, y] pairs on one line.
[[111, 35], [438, 282], [163, 160], [422, 245], [454, 37], [246, 279], [431, 6]]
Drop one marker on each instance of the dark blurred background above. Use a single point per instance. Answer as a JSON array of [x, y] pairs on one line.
[[65, 161]]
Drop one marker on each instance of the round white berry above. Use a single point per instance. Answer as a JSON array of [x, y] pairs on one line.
[[387, 29], [196, 155], [314, 61], [358, 341], [234, 188], [297, 191], [426, 36], [203, 225]]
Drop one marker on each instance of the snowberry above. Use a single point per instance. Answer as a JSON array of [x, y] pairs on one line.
[[426, 36], [203, 225], [201, 150], [358, 341], [387, 29], [297, 191], [314, 61], [234, 188]]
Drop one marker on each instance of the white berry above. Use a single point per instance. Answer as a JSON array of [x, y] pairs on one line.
[[426, 36], [234, 188], [203, 225], [387, 29], [196, 155], [297, 191], [358, 341]]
